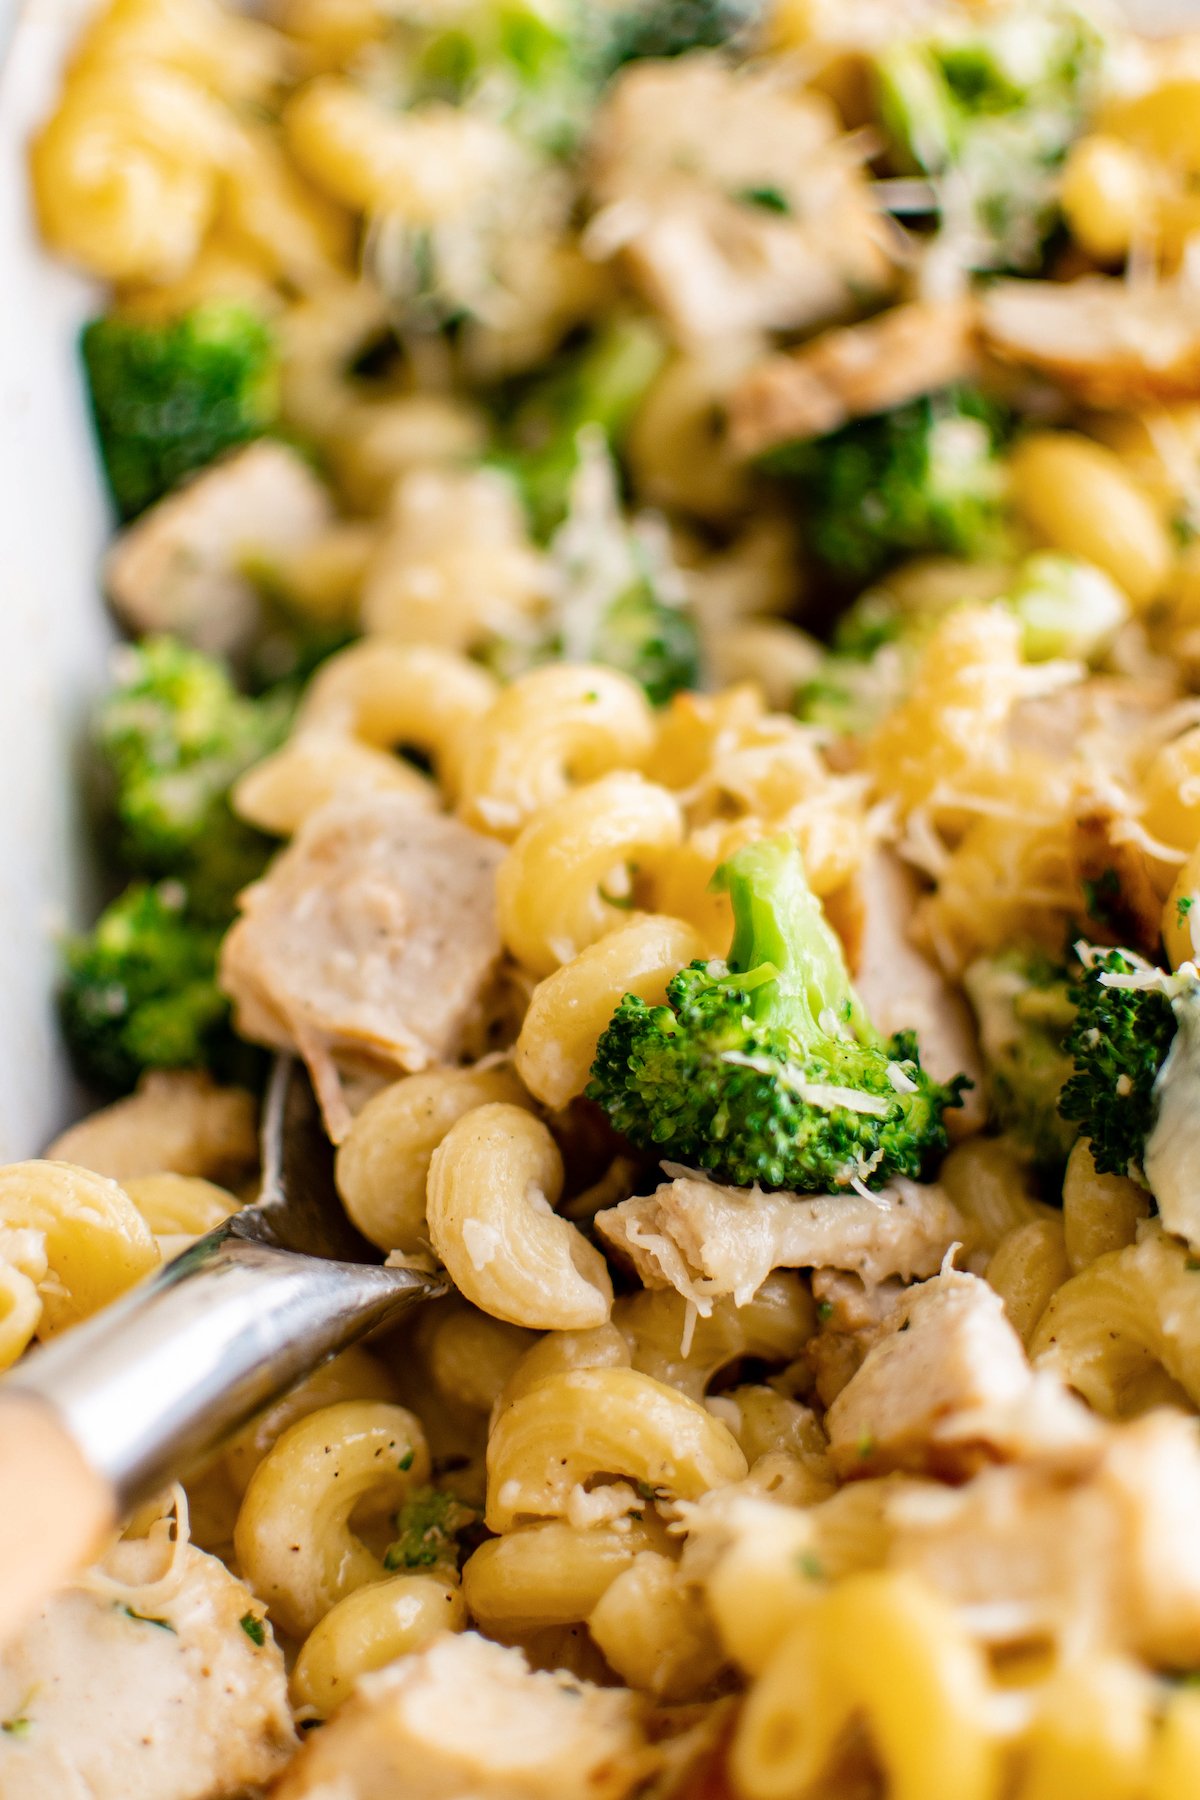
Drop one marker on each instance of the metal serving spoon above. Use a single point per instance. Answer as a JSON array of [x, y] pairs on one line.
[[102, 1418]]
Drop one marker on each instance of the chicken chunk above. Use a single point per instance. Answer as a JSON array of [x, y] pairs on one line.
[[734, 200], [152, 1689], [464, 1717], [371, 937], [1108, 342], [705, 1240], [184, 566], [178, 1122], [946, 1349], [850, 1312], [902, 989], [1103, 1553], [870, 368]]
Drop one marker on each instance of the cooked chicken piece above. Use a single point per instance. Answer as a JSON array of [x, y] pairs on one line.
[[1107, 341], [1104, 1554], [1097, 720], [946, 1349], [870, 368], [178, 1122], [904, 990], [111, 1696], [465, 1718], [705, 1240], [372, 936], [850, 1312], [185, 565], [736, 202]]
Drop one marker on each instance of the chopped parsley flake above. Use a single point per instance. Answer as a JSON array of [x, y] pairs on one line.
[[407, 1460], [1102, 897], [254, 1628], [624, 901], [147, 1619], [427, 1528], [767, 199]]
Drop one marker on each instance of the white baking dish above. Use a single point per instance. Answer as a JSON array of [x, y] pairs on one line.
[[53, 630]]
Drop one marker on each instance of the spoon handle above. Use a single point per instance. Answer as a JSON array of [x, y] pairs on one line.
[[155, 1383], [55, 1509]]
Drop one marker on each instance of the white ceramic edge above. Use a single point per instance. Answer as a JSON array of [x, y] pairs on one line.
[[54, 634]]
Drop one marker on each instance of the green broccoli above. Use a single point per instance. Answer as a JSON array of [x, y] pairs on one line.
[[659, 28], [1025, 1008], [1066, 608], [765, 1068], [621, 598], [527, 41], [618, 598], [139, 991], [926, 477], [428, 1526], [602, 384], [174, 734], [169, 397], [1124, 1027], [649, 637], [987, 113], [866, 669]]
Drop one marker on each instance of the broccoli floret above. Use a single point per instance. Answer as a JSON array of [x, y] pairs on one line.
[[658, 28], [140, 992], [428, 1527], [529, 64], [988, 114], [765, 1068], [1136, 1053], [600, 385], [175, 734], [622, 601], [650, 638], [1124, 1027], [849, 695], [1066, 608], [1025, 1009], [169, 397], [924, 478], [618, 598], [864, 674]]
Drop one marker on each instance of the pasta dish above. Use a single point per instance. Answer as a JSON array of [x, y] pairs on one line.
[[657, 559]]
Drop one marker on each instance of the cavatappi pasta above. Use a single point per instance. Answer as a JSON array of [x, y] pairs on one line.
[[659, 550]]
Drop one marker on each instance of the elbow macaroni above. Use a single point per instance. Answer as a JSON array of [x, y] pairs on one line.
[[590, 1422], [576, 867], [493, 1183], [294, 1537], [569, 1009], [383, 1163], [70, 1243], [549, 731], [370, 1628]]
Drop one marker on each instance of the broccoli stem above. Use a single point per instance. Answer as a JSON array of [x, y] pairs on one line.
[[778, 921]]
